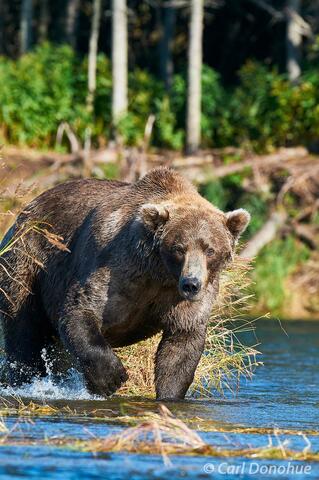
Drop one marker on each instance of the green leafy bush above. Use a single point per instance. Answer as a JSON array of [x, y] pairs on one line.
[[268, 111], [37, 94], [49, 85], [256, 114]]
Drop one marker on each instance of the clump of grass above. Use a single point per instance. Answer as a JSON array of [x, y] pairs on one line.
[[139, 362], [225, 359], [158, 433]]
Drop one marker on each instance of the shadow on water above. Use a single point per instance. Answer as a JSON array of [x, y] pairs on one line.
[[283, 393]]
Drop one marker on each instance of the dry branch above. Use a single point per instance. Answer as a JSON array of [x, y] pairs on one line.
[[307, 234]]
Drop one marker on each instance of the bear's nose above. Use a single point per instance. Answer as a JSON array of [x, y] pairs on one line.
[[190, 286]]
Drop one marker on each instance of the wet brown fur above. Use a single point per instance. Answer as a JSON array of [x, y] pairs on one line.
[[131, 248]]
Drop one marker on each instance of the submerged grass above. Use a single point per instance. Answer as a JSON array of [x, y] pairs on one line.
[[165, 435], [133, 414], [16, 406]]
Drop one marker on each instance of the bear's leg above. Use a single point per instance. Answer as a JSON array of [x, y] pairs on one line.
[[25, 336], [23, 320], [81, 335], [177, 357]]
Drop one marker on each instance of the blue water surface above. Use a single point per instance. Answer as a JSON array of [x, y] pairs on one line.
[[283, 393]]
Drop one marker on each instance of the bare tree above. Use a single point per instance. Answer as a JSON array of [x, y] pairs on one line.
[[26, 25], [119, 59], [168, 20], [2, 36], [293, 39], [297, 27], [195, 53], [44, 20], [72, 12], [93, 47]]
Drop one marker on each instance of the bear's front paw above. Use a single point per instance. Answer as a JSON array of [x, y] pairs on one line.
[[104, 381]]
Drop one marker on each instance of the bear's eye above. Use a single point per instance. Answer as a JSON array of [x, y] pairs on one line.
[[210, 252], [178, 250]]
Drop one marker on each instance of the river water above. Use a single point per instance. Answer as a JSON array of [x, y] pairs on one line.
[[284, 393]]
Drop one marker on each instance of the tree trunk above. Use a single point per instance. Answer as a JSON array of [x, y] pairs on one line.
[[2, 15], [26, 26], [293, 40], [193, 128], [44, 20], [93, 48], [119, 59], [71, 21], [168, 20]]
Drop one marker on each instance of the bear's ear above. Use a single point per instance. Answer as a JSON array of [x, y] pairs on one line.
[[237, 221], [154, 215]]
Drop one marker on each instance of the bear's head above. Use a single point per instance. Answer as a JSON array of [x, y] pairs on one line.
[[195, 240]]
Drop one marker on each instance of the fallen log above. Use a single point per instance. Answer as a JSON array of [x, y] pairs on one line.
[[111, 154], [265, 235]]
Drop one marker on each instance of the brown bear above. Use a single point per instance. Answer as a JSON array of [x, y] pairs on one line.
[[142, 258]]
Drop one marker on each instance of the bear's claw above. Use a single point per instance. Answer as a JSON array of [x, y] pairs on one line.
[[106, 382]]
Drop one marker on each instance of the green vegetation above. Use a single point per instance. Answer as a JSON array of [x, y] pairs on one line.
[[276, 261], [49, 85], [228, 193], [37, 93]]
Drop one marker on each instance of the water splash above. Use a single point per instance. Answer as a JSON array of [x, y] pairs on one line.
[[69, 386]]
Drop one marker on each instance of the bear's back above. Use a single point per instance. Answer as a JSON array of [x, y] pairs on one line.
[[66, 206]]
